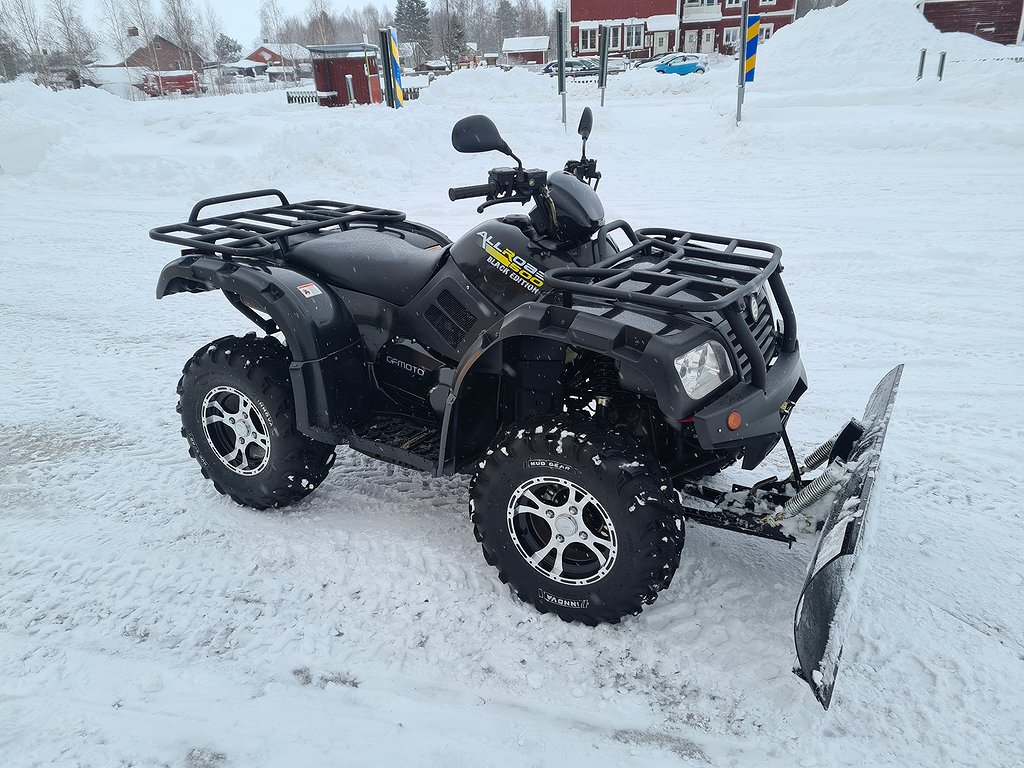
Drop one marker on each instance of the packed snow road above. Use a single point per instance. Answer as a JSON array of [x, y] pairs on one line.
[[147, 621]]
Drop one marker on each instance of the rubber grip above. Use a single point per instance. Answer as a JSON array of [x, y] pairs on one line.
[[475, 190]]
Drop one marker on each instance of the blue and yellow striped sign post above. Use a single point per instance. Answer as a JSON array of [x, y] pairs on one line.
[[396, 69], [751, 26], [750, 48]]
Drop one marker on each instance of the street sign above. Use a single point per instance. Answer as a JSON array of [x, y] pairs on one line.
[[750, 49]]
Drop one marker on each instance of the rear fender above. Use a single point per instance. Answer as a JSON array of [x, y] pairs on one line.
[[322, 337]]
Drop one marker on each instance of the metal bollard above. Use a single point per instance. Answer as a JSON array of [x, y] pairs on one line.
[[920, 66], [942, 64], [351, 91]]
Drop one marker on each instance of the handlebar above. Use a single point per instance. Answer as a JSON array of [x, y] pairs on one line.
[[474, 190]]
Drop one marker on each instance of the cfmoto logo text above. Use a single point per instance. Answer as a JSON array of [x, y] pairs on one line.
[[413, 369]]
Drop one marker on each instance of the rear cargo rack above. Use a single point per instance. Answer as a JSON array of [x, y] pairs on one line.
[[679, 271], [262, 231]]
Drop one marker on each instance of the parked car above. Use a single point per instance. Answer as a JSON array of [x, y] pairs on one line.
[[683, 64], [573, 68], [655, 60]]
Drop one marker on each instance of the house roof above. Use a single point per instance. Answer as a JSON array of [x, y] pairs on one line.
[[284, 50], [244, 64], [664, 23], [105, 56], [342, 51], [526, 44]]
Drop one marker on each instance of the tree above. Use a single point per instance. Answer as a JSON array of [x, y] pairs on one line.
[[227, 49], [449, 34], [506, 21], [115, 19], [69, 35], [318, 14], [271, 21], [26, 29], [412, 20], [211, 27], [12, 58]]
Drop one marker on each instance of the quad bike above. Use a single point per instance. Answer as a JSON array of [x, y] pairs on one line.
[[587, 374]]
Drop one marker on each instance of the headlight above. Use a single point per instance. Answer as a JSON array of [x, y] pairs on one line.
[[703, 369]]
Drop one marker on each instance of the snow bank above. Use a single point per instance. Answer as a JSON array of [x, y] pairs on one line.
[[33, 120], [860, 43]]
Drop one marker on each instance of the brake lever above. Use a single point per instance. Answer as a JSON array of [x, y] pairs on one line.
[[510, 199]]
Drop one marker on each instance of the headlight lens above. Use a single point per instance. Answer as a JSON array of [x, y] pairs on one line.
[[703, 369]]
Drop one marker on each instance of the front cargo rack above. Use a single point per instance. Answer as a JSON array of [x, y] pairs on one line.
[[680, 271], [263, 231]]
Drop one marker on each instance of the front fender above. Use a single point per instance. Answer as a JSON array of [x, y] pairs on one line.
[[321, 335], [646, 365]]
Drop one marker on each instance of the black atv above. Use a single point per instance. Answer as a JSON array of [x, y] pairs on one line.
[[587, 374]]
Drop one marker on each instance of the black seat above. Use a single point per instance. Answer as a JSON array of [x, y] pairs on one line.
[[369, 261]]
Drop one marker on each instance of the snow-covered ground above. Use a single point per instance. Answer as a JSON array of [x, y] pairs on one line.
[[147, 621]]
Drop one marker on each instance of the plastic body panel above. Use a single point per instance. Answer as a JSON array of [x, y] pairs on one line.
[[322, 337]]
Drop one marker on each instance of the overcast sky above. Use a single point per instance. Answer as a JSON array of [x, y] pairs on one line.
[[242, 17]]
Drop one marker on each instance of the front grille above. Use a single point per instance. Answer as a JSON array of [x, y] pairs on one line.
[[764, 331]]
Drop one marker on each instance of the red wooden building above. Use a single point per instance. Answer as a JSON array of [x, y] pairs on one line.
[[710, 26], [280, 54], [331, 63], [637, 28], [641, 28], [526, 50], [1001, 21]]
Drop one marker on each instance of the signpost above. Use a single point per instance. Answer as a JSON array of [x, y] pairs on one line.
[[560, 38], [396, 70], [751, 27], [602, 72]]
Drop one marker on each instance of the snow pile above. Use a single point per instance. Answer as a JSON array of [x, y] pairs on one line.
[[646, 82], [33, 120], [860, 43], [488, 84]]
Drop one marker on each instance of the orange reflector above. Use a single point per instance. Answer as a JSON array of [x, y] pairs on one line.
[[734, 421]]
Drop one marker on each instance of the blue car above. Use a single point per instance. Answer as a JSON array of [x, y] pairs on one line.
[[683, 64]]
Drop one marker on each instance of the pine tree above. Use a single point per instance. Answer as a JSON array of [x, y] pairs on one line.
[[226, 48], [417, 25]]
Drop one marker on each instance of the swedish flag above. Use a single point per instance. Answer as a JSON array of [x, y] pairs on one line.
[[750, 52], [396, 68]]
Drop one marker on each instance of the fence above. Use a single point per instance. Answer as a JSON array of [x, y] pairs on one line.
[[303, 97], [311, 97]]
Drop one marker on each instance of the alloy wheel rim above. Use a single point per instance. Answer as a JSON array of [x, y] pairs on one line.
[[236, 431], [562, 531]]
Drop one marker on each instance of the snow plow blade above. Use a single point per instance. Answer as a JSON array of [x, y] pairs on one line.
[[828, 597]]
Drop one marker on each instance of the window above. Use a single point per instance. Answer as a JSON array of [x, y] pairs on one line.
[[614, 38], [767, 2], [634, 35], [766, 31], [735, 2], [156, 44], [588, 39], [693, 2], [731, 38]]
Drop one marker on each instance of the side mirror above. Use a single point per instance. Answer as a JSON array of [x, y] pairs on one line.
[[586, 123], [477, 133]]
